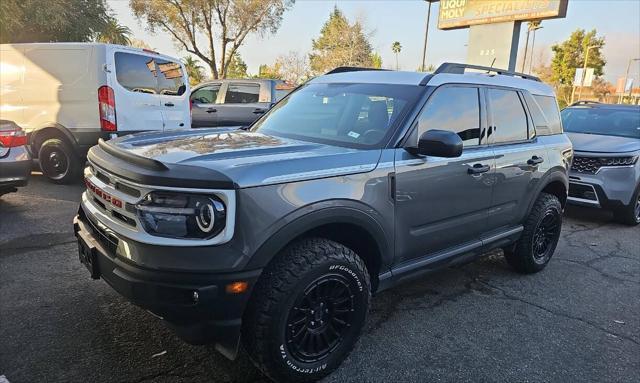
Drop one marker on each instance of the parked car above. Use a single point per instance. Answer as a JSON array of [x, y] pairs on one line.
[[234, 102], [15, 162], [67, 95], [605, 171], [277, 237]]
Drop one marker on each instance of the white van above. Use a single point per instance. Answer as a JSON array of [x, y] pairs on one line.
[[67, 95]]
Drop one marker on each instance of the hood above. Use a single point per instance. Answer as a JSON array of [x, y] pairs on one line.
[[250, 158], [596, 143]]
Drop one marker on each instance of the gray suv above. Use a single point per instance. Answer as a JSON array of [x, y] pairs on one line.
[[605, 172], [277, 236]]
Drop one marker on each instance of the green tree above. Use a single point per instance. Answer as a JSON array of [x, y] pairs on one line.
[[212, 30], [114, 33], [340, 44], [237, 67], [194, 70], [267, 71], [24, 21], [396, 47], [376, 60], [570, 54]]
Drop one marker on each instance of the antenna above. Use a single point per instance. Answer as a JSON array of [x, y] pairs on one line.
[[491, 66]]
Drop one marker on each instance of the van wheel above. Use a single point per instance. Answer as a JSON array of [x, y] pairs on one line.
[[58, 162], [308, 310], [630, 214], [539, 238]]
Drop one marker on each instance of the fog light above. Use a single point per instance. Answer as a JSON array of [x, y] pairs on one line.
[[237, 287]]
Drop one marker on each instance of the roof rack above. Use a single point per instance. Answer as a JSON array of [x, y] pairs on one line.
[[343, 69], [458, 68], [585, 102]]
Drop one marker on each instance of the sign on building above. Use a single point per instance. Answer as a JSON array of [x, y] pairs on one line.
[[464, 13]]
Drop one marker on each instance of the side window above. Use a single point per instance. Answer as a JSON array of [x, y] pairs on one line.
[[456, 109], [170, 78], [549, 107], [136, 73], [509, 120], [206, 95], [242, 93]]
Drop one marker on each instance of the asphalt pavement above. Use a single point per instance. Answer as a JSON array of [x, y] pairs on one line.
[[577, 321]]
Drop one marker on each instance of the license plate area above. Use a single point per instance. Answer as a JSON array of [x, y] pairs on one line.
[[88, 255]]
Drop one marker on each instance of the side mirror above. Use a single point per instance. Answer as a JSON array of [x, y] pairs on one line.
[[440, 143]]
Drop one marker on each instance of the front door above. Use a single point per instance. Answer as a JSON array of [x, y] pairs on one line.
[[242, 105], [204, 112], [444, 202]]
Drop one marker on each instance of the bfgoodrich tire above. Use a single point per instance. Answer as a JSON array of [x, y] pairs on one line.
[[540, 236], [307, 311], [58, 161]]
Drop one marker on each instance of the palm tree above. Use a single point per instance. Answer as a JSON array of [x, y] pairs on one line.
[[194, 70], [396, 47], [114, 33]]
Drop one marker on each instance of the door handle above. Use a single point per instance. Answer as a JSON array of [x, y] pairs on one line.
[[478, 169], [535, 160], [259, 111], [168, 104], [212, 110]]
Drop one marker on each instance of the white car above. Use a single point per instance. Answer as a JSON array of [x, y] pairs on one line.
[[68, 95]]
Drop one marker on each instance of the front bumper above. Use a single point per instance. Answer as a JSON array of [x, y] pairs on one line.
[[195, 305], [15, 168], [609, 188]]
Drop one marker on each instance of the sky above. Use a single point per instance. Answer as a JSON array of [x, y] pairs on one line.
[[404, 21]]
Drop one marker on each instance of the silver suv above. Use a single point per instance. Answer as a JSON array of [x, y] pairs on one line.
[[605, 171], [277, 236]]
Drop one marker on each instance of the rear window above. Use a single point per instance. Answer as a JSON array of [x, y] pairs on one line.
[[242, 94], [549, 108], [609, 122], [170, 78], [136, 73]]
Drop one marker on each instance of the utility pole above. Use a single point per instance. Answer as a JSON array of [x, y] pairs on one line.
[[534, 26], [426, 35], [626, 77], [584, 69], [526, 47]]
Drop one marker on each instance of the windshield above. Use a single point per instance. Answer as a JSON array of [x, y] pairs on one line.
[[609, 122], [352, 115]]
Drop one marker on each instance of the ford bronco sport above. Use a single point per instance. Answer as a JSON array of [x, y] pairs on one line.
[[276, 237]]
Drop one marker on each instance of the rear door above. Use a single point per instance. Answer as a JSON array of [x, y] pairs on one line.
[[174, 96], [244, 102], [135, 86], [444, 202], [204, 110], [519, 157]]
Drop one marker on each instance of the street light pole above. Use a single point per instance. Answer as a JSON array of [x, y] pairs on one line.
[[626, 77], [533, 43], [426, 35], [584, 69]]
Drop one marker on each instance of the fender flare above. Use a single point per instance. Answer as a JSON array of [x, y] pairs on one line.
[[64, 132], [320, 216], [553, 175]]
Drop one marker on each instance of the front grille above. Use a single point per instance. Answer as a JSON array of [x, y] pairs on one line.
[[589, 165]]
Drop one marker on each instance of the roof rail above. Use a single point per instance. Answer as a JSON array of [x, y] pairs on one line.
[[343, 69], [585, 102], [458, 68]]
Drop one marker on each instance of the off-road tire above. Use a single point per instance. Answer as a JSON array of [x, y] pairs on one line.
[[628, 214], [67, 168], [525, 257], [293, 273]]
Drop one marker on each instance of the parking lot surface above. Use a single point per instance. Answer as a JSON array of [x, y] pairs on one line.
[[577, 321]]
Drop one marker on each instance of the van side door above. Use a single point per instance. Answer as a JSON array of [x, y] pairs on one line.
[[244, 102], [520, 157], [135, 89], [173, 88], [443, 203]]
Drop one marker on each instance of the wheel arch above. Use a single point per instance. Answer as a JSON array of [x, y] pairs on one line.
[[350, 227], [53, 130], [556, 182]]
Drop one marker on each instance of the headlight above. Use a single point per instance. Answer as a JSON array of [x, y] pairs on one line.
[[187, 216], [618, 161]]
